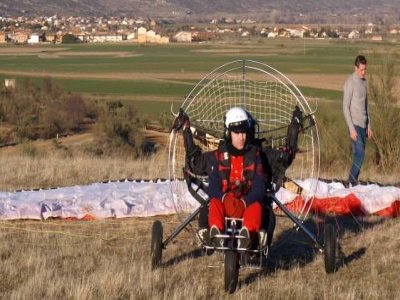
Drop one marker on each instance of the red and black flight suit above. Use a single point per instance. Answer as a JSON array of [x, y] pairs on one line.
[[229, 167]]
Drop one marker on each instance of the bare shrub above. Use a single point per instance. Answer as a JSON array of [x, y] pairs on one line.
[[41, 111], [385, 111], [334, 140], [118, 129], [165, 120]]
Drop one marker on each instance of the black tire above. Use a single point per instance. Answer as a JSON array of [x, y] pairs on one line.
[[231, 271], [330, 248], [156, 244]]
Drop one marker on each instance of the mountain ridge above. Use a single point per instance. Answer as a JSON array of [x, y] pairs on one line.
[[272, 10]]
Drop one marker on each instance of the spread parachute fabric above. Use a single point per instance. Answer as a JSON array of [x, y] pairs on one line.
[[143, 199]]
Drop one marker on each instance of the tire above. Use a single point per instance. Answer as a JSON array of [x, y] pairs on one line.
[[330, 248], [231, 271], [156, 244]]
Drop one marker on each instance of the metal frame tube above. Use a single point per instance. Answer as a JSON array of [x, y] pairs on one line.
[[298, 223], [182, 226]]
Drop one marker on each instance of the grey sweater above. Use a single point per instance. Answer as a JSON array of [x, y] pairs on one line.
[[355, 102]]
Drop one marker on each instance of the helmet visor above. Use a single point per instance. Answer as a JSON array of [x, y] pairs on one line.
[[241, 126]]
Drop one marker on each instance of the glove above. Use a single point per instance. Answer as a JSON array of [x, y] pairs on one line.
[[297, 116], [182, 120], [293, 130], [239, 189], [234, 207]]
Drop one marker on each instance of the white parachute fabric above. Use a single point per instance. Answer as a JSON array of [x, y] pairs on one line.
[[99, 200], [144, 199]]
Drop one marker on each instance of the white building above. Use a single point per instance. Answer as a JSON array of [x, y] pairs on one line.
[[33, 39], [183, 37], [354, 35]]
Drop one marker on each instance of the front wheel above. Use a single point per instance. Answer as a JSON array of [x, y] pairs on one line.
[[156, 244], [330, 248], [231, 271]]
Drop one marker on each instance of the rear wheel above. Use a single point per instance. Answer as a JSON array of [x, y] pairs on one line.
[[330, 248], [231, 271], [156, 244]]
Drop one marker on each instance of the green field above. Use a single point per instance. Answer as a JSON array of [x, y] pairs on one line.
[[168, 73]]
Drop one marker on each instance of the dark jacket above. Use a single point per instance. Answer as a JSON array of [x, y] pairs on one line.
[[253, 177]]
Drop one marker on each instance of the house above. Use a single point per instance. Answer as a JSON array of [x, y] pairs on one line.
[[199, 36], [51, 38], [20, 37], [130, 36], [33, 39], [83, 37], [99, 37], [3, 38], [164, 40], [354, 34], [150, 36], [368, 31], [142, 34], [296, 32], [183, 37]]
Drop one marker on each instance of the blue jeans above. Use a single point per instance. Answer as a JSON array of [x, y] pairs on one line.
[[358, 153]]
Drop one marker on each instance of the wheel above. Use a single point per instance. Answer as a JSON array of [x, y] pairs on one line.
[[231, 271], [156, 244], [330, 248]]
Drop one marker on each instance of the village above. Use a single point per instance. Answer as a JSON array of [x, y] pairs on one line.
[[60, 29]]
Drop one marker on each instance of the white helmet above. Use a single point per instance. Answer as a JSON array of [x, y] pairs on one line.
[[237, 120]]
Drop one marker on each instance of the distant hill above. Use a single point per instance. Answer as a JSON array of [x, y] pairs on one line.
[[305, 11]]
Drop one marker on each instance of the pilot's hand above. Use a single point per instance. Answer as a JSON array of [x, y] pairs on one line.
[[234, 207], [181, 121]]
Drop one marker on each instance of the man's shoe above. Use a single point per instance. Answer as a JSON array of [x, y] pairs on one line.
[[203, 236], [217, 241], [244, 240], [262, 239]]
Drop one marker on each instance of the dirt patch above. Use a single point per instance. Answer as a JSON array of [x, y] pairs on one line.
[[28, 50], [320, 81], [89, 54], [71, 140]]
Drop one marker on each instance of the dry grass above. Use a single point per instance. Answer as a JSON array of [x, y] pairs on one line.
[[111, 259], [44, 168]]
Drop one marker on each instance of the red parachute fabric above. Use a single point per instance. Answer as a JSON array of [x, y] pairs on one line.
[[343, 206]]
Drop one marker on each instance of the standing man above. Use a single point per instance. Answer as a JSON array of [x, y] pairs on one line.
[[355, 110]]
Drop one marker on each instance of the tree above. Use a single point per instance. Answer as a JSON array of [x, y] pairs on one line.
[[70, 39]]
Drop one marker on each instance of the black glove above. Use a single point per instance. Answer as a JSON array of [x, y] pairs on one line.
[[240, 189], [182, 120], [297, 116], [293, 130]]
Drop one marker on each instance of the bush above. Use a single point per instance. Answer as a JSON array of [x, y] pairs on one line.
[[165, 120], [42, 111], [120, 127], [384, 100]]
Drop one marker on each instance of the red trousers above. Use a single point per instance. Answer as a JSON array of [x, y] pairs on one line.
[[251, 218]]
